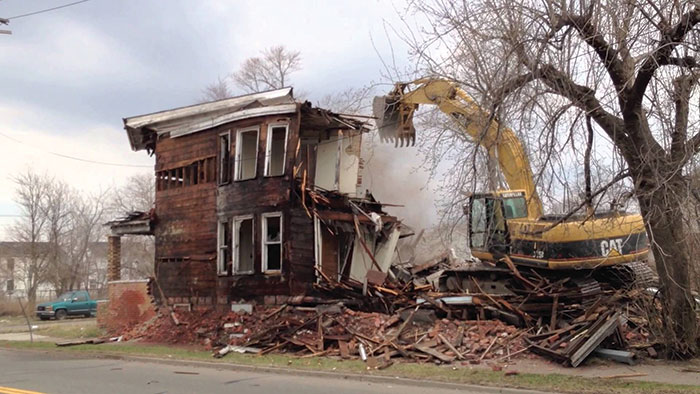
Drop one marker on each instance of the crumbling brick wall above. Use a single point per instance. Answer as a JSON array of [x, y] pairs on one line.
[[129, 304]]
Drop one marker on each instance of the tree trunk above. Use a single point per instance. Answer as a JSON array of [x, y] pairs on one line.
[[31, 295], [663, 206]]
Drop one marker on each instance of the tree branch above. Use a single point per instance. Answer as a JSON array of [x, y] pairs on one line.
[[662, 55], [584, 98], [687, 62], [682, 89], [617, 178], [607, 54]]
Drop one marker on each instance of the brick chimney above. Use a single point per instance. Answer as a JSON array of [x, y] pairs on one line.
[[114, 257]]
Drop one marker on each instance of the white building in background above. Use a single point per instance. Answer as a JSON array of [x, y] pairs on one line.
[[15, 265]]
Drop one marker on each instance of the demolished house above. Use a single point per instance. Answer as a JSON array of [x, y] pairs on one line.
[[257, 197]]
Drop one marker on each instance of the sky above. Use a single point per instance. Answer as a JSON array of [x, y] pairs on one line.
[[69, 76]]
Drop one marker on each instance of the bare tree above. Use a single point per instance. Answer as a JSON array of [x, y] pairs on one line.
[[57, 210], [628, 66], [29, 229], [82, 244], [137, 194], [351, 101], [217, 90], [269, 71]]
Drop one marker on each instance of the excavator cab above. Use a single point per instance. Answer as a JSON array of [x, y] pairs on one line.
[[488, 216]]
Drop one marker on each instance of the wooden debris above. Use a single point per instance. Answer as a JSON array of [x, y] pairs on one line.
[[90, 341], [624, 375]]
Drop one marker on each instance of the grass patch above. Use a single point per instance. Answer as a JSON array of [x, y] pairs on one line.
[[14, 320], [544, 382], [71, 331]]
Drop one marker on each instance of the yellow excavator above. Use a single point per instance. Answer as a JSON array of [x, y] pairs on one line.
[[510, 225]]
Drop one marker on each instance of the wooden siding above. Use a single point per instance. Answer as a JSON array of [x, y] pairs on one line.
[[186, 220], [185, 228]]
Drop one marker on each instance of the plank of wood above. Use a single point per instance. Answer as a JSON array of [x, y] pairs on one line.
[[449, 345], [433, 352], [624, 375], [344, 351], [488, 349]]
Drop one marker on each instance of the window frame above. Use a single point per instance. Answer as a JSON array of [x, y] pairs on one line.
[[221, 269], [237, 157], [268, 148], [219, 178], [236, 224], [264, 242]]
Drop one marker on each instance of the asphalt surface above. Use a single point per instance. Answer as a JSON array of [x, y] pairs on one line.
[[48, 372]]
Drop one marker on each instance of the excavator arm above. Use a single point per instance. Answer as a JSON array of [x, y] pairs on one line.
[[394, 114]]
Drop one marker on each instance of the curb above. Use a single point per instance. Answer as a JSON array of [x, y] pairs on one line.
[[320, 374]]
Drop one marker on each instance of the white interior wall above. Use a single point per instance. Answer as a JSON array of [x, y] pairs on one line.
[[349, 166], [327, 164]]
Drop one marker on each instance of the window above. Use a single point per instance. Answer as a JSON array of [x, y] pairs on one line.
[[276, 150], [272, 241], [515, 207], [10, 265], [246, 154], [478, 223], [200, 171], [223, 251], [225, 158], [10, 285], [80, 297], [244, 249]]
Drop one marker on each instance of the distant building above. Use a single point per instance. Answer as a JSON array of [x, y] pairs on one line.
[[15, 265]]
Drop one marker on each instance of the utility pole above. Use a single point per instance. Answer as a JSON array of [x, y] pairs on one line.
[[4, 21]]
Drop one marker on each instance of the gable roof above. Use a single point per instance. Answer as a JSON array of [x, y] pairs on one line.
[[144, 129]]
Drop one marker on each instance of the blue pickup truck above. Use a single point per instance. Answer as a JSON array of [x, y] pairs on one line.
[[72, 303]]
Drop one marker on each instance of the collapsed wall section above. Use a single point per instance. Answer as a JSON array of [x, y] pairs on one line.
[[129, 304]]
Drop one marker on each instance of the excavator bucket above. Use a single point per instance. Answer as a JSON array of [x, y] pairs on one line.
[[394, 120]]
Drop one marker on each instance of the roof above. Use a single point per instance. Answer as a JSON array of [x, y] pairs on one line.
[[144, 129], [22, 249], [133, 223]]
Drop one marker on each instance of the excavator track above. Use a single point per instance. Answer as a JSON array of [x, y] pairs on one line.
[[636, 274]]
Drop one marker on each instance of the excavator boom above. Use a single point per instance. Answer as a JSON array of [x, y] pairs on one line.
[[395, 111]]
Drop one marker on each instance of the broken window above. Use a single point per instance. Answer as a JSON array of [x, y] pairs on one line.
[[272, 241], [246, 154], [200, 171], [244, 250], [276, 150], [225, 158], [224, 251]]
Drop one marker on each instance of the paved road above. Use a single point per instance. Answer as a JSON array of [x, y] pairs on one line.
[[47, 372]]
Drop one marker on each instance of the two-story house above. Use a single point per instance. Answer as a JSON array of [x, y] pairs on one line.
[[257, 196]]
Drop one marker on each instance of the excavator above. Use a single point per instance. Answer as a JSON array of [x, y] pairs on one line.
[[508, 228]]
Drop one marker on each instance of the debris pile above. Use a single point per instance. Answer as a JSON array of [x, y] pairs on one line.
[[565, 319], [412, 334], [439, 312]]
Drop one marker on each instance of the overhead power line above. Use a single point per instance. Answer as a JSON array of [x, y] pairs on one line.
[[104, 163], [48, 9]]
